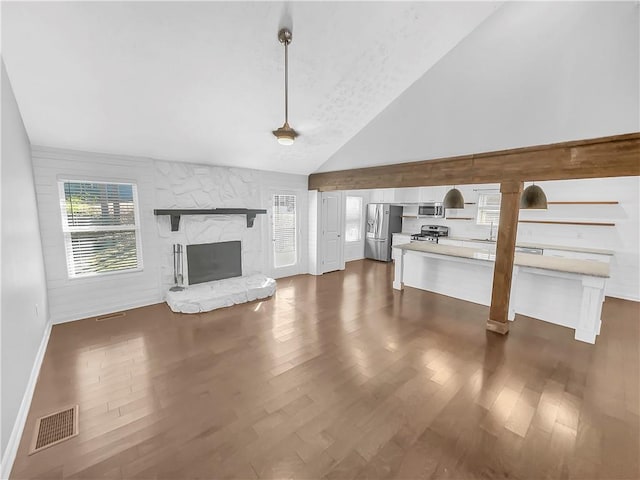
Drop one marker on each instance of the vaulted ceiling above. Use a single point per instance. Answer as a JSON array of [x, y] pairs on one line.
[[203, 81]]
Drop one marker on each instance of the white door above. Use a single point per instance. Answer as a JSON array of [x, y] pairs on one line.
[[332, 227], [285, 238]]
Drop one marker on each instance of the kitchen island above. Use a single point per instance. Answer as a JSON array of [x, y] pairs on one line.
[[564, 291]]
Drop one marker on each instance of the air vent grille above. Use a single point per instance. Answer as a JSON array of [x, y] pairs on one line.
[[110, 316], [55, 428]]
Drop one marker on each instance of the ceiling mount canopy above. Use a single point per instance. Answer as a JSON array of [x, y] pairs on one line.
[[453, 199], [533, 198], [285, 134]]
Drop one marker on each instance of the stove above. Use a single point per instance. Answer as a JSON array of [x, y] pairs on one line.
[[431, 233]]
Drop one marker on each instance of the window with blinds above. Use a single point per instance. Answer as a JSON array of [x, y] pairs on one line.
[[488, 209], [353, 219], [100, 226], [284, 221]]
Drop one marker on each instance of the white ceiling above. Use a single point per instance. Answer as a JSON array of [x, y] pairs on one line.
[[518, 80], [203, 82]]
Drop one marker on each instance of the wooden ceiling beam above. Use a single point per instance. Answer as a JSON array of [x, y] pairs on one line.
[[612, 156]]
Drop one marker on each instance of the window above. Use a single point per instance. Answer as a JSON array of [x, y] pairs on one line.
[[100, 226], [488, 209], [353, 219], [285, 252]]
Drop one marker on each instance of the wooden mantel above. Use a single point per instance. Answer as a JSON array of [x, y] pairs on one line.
[[176, 213], [614, 156]]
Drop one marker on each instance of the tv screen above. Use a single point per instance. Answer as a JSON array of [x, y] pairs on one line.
[[214, 261]]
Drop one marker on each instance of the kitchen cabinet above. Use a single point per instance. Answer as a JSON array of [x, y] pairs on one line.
[[382, 195], [407, 195], [432, 194], [375, 196]]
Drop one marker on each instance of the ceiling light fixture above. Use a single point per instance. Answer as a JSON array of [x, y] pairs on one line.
[[285, 134], [533, 198], [453, 199]]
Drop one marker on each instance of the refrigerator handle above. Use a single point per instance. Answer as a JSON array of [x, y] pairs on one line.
[[375, 224]]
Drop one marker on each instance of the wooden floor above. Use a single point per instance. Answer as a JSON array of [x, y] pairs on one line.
[[339, 376]]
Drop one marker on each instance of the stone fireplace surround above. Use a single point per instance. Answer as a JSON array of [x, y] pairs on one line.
[[204, 297], [189, 186]]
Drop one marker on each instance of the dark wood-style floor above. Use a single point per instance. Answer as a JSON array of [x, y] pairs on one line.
[[339, 376]]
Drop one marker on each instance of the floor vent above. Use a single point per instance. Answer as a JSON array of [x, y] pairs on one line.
[[110, 316], [55, 428]]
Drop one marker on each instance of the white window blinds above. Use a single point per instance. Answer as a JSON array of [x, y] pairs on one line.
[[284, 231], [488, 209], [100, 226], [353, 219]]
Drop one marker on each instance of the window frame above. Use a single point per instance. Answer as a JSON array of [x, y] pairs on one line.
[[360, 219], [482, 209], [67, 230], [296, 228]]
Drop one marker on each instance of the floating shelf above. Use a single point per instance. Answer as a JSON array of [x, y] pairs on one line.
[[555, 222], [459, 218], [584, 203], [175, 214]]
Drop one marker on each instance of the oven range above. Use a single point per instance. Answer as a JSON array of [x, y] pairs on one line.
[[431, 233]]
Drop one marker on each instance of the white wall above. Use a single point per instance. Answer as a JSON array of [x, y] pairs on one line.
[[532, 73], [315, 240], [623, 239], [160, 184], [24, 320], [73, 299]]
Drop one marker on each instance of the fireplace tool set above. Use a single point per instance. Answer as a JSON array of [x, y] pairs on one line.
[[178, 275]]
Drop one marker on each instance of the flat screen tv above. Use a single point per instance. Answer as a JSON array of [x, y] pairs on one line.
[[214, 261]]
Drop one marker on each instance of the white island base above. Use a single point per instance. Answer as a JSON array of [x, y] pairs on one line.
[[208, 296], [566, 292]]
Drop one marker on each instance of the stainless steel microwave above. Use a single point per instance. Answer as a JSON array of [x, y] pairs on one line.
[[431, 209]]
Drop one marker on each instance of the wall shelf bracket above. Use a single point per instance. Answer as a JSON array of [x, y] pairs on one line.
[[176, 214]]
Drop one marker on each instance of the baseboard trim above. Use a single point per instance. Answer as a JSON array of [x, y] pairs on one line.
[[354, 259], [107, 311], [18, 427]]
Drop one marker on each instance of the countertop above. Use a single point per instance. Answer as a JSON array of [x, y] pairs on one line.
[[541, 245], [568, 265]]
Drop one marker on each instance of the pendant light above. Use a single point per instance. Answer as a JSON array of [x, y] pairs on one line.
[[453, 199], [533, 198], [285, 134]]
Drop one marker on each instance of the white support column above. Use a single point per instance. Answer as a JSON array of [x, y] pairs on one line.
[[590, 309], [398, 278], [512, 296]]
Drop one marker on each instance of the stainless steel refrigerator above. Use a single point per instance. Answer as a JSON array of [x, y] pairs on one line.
[[383, 220]]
